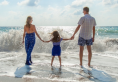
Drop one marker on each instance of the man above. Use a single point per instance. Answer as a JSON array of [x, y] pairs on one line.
[[87, 24]]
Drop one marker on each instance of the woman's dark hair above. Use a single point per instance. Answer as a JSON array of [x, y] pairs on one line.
[[56, 36], [29, 19]]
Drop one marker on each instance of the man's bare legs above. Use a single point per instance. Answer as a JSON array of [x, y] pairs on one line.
[[52, 60], [59, 60], [81, 54], [89, 55]]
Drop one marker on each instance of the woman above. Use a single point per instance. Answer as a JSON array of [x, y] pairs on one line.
[[29, 34]]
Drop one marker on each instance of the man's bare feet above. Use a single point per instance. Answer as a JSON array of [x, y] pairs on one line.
[[90, 65], [81, 65]]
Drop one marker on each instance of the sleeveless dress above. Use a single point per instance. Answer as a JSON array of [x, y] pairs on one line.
[[29, 45], [56, 50]]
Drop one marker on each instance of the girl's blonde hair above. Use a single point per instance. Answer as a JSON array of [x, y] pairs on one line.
[[29, 19], [56, 36]]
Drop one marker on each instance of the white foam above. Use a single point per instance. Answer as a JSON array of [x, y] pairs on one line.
[[12, 41]]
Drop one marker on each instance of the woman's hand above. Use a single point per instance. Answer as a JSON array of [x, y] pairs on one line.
[[23, 41]]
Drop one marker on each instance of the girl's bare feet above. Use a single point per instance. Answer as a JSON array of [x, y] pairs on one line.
[[90, 65], [60, 68]]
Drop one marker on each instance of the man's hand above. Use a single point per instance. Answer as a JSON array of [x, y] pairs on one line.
[[72, 37], [93, 39]]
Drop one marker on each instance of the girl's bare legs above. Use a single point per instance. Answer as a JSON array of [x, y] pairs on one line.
[[52, 60], [59, 60]]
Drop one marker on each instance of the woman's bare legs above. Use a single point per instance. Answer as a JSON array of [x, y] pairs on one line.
[[59, 60], [52, 60]]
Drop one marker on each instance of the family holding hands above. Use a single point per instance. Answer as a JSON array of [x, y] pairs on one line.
[[86, 25]]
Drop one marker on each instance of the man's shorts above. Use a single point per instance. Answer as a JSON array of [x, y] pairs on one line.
[[83, 42]]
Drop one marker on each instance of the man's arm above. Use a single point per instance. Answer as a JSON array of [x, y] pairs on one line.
[[66, 39], [75, 31], [93, 33]]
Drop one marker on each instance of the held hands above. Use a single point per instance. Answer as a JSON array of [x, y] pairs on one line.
[[72, 37], [43, 41]]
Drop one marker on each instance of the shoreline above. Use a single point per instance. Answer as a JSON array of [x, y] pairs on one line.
[[13, 79]]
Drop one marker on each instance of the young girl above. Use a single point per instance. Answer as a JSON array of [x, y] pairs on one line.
[[56, 50]]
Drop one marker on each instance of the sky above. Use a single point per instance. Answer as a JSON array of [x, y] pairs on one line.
[[57, 12]]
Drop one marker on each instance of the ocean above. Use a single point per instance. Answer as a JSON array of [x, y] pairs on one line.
[[104, 60]]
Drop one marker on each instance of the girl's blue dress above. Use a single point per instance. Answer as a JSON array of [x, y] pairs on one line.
[[56, 50]]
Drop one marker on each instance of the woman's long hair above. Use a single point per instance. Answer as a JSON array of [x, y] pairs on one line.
[[56, 36], [28, 21]]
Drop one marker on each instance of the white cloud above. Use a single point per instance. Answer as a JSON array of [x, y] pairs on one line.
[[28, 3], [112, 3], [4, 2], [62, 12], [115, 5], [23, 2], [78, 3], [106, 2], [78, 12], [13, 12]]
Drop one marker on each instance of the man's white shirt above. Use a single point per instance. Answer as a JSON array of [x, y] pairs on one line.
[[87, 22]]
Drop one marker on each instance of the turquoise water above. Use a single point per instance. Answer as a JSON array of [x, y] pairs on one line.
[[8, 28], [101, 31], [107, 31]]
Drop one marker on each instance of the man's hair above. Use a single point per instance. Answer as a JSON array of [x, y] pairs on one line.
[[86, 9]]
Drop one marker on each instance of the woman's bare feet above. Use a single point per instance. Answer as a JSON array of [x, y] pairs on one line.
[[90, 65]]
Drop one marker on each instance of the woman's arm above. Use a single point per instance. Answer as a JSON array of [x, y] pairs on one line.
[[37, 34], [23, 35]]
